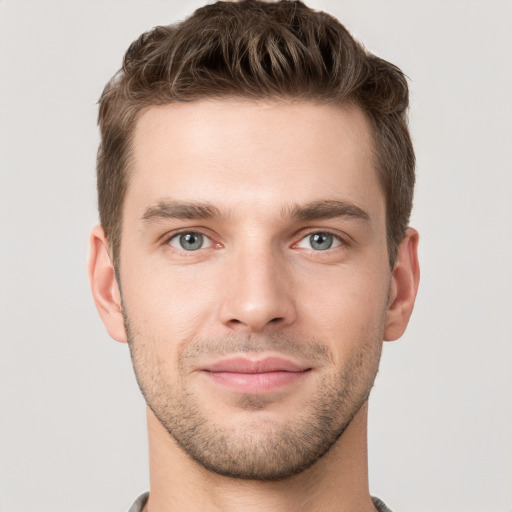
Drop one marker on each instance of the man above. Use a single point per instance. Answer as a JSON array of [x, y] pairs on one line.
[[255, 180]]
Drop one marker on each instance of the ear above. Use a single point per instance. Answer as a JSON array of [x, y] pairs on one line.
[[404, 286], [105, 289]]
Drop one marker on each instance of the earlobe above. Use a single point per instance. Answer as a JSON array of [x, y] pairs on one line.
[[104, 286], [404, 286]]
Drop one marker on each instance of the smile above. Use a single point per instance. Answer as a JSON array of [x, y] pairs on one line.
[[243, 375]]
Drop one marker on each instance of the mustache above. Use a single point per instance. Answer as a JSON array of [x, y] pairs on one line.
[[309, 349]]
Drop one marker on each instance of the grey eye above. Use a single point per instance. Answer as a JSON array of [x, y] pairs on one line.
[[188, 241], [320, 241]]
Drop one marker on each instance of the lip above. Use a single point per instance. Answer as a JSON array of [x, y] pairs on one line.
[[243, 375], [244, 365]]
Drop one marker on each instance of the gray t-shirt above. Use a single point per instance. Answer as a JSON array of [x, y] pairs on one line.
[[143, 498]]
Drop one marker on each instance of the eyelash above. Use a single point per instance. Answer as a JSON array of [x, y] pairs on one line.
[[337, 239], [176, 235]]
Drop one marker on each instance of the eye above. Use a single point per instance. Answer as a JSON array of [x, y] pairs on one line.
[[320, 241], [190, 241]]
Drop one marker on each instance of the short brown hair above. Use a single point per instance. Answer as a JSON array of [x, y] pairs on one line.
[[256, 50]]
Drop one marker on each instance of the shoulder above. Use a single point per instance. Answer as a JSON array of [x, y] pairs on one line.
[[139, 503], [379, 505]]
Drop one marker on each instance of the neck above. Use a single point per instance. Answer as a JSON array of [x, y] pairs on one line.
[[337, 482]]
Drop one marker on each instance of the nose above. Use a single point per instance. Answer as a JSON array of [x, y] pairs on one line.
[[257, 292]]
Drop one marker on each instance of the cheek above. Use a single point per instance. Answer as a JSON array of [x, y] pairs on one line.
[[167, 303], [346, 306]]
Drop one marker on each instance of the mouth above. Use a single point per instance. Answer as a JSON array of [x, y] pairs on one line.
[[248, 376]]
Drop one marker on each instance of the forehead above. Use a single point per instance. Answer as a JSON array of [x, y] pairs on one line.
[[252, 154]]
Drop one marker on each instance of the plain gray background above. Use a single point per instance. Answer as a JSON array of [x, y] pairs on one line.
[[72, 425]]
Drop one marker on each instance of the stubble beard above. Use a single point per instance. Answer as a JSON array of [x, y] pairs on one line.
[[257, 450]]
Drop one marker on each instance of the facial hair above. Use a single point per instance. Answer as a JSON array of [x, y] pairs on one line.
[[267, 450]]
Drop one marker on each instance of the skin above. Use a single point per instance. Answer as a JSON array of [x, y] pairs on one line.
[[271, 175]]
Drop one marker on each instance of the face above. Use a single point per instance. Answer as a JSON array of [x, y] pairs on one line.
[[255, 278]]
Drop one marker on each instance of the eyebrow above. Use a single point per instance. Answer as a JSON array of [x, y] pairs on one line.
[[316, 210], [326, 209], [166, 209]]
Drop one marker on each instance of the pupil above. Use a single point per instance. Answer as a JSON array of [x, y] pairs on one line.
[[191, 241], [321, 241]]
